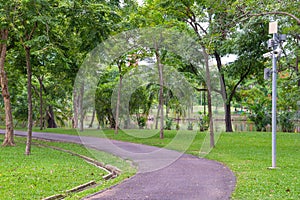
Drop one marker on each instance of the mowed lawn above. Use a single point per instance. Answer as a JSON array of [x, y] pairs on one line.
[[247, 154], [47, 172]]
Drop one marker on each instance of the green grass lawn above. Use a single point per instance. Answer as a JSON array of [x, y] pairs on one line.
[[48, 172], [247, 154]]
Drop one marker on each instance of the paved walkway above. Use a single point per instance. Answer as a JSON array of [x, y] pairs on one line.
[[162, 174]]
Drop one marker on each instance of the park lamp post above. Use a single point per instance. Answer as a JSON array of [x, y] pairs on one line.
[[274, 44]]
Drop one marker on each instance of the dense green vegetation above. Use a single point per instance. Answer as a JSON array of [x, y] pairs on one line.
[[48, 172], [54, 38]]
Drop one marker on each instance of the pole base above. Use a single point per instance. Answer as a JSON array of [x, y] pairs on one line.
[[273, 168]]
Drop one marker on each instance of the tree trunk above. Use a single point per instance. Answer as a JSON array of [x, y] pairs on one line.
[[297, 64], [118, 99], [227, 104], [167, 111], [51, 118], [29, 92], [157, 116], [93, 118], [41, 103], [9, 132], [161, 102], [75, 109], [167, 99], [209, 102], [204, 102], [127, 122], [161, 93], [81, 107], [297, 69], [228, 122], [112, 122], [29, 99]]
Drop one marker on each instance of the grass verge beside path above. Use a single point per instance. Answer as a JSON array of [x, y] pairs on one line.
[[48, 172], [247, 154]]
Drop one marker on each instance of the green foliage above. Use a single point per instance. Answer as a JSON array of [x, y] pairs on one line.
[[260, 114], [190, 126], [203, 122], [256, 99], [103, 97], [169, 123], [288, 91], [141, 100], [59, 34], [141, 122], [255, 96], [177, 126], [287, 121]]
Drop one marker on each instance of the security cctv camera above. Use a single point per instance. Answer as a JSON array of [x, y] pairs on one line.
[[282, 38], [270, 43], [277, 52], [268, 55]]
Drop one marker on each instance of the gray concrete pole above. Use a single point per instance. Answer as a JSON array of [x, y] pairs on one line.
[[274, 96]]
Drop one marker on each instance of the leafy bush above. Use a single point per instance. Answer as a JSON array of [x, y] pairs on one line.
[[141, 122], [169, 123], [203, 123], [286, 120], [190, 126], [260, 115], [177, 126]]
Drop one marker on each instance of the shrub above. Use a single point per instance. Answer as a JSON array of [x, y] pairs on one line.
[[203, 123], [169, 123], [190, 126], [286, 120], [141, 122], [260, 115]]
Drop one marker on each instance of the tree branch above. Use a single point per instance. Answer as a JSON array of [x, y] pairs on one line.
[[278, 13], [195, 25], [200, 89], [217, 91], [35, 89], [32, 31], [238, 83]]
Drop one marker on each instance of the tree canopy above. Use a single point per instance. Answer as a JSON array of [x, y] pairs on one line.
[[44, 43]]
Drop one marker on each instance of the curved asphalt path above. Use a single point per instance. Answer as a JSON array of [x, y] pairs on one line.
[[162, 174]]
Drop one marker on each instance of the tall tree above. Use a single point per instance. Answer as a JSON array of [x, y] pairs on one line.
[[91, 22], [9, 133], [119, 96], [6, 10], [31, 29], [131, 61], [161, 89], [212, 22], [209, 98], [29, 97]]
